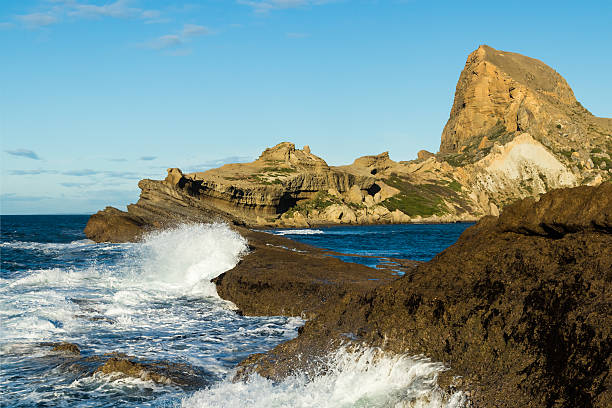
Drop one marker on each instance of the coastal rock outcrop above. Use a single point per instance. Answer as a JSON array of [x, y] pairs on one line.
[[501, 92], [306, 279], [518, 131], [515, 130], [518, 309], [67, 356]]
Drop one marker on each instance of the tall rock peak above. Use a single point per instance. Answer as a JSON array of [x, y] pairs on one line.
[[500, 93]]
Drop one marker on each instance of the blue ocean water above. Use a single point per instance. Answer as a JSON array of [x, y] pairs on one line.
[[418, 242], [154, 301]]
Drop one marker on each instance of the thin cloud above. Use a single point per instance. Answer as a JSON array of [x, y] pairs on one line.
[[24, 153], [151, 14], [62, 10], [15, 197], [6, 26], [111, 174], [118, 160], [263, 6], [129, 175], [188, 32], [31, 172], [297, 35], [77, 185], [37, 20], [80, 173], [148, 158], [118, 9], [165, 41], [194, 30]]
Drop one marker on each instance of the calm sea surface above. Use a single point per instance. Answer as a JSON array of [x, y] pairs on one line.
[[154, 301]]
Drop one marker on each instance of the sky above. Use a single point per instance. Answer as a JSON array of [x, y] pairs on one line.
[[96, 95]]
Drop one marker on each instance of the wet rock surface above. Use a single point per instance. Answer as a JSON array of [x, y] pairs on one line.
[[164, 372], [67, 357], [283, 277], [518, 309], [66, 347]]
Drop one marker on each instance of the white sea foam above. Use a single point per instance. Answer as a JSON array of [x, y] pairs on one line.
[[152, 299], [298, 232], [49, 246], [189, 256], [167, 265], [358, 378]]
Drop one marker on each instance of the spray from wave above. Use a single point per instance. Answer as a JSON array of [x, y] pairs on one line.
[[364, 377], [189, 256], [166, 265]]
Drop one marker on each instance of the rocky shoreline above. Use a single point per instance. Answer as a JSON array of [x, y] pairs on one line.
[[518, 309]]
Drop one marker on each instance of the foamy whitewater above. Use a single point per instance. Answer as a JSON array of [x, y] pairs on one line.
[[154, 301]]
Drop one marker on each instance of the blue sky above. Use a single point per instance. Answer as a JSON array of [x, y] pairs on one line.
[[95, 95]]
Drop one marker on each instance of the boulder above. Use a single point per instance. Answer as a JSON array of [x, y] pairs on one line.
[[424, 155]]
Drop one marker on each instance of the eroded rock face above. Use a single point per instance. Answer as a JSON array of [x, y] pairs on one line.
[[518, 131], [519, 307], [515, 131], [503, 92]]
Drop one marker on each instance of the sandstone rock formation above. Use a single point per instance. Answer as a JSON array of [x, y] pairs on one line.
[[518, 309], [502, 92], [515, 131]]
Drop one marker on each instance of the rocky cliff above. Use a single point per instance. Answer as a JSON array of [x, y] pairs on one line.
[[518, 309], [515, 130]]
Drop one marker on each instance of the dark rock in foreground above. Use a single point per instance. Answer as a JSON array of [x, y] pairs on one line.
[[67, 357], [519, 307], [283, 277]]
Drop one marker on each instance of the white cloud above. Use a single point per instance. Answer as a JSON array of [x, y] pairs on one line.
[[194, 30], [262, 6], [37, 20], [174, 40], [57, 10]]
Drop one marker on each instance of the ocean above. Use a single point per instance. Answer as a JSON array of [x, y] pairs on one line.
[[154, 301]]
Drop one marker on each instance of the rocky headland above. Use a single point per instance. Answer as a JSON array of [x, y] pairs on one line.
[[515, 130]]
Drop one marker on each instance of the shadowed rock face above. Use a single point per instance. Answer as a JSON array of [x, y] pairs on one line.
[[519, 307]]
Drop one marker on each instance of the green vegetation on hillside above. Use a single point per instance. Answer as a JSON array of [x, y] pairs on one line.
[[418, 199], [286, 170], [598, 160]]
